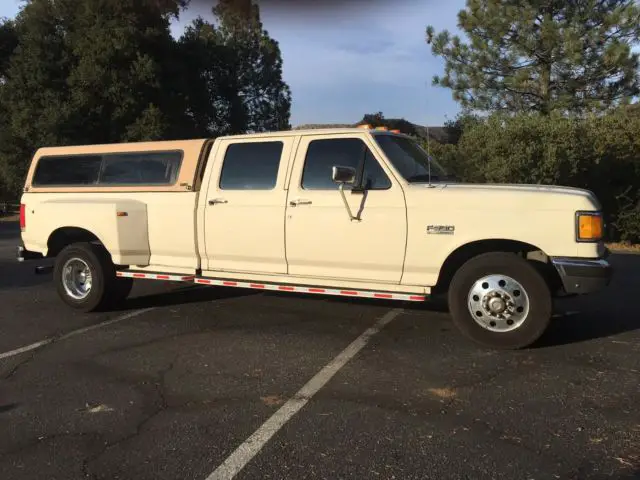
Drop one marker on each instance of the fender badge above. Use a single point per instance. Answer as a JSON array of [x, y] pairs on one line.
[[440, 229]]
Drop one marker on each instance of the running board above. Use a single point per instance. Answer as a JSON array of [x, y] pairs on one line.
[[156, 276], [380, 295]]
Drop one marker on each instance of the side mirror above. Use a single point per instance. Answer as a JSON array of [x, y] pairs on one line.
[[344, 175]]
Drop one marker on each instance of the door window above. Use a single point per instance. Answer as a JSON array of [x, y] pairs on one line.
[[323, 155], [251, 166]]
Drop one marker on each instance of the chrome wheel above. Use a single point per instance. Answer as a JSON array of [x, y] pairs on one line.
[[76, 278], [498, 303]]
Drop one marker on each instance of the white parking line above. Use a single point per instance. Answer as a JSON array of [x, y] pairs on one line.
[[250, 448], [28, 348], [73, 333]]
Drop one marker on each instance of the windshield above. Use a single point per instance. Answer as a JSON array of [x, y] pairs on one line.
[[410, 159]]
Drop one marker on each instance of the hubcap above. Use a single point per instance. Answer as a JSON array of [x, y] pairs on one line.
[[76, 278], [498, 303]]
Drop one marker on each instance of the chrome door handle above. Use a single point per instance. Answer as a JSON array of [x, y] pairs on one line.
[[299, 201], [218, 200]]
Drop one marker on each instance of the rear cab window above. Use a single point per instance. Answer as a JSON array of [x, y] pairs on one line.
[[251, 165]]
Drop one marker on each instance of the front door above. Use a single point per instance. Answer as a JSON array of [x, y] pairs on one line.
[[245, 207], [322, 239]]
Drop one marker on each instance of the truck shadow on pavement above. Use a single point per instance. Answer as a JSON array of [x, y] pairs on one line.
[[14, 275], [606, 313], [182, 296], [600, 315]]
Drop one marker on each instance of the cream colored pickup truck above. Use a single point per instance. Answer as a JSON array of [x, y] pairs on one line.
[[358, 212]]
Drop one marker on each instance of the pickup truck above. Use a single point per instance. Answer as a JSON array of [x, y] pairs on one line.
[[359, 212]]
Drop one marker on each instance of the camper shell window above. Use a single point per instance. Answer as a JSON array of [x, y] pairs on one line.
[[109, 169]]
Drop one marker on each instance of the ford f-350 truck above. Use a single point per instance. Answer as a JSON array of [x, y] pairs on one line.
[[358, 212]]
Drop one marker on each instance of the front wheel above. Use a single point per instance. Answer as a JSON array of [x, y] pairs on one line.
[[500, 300]]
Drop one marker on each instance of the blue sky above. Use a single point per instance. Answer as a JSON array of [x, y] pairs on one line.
[[342, 63]]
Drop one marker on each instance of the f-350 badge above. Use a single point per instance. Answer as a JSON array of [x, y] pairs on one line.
[[440, 229]]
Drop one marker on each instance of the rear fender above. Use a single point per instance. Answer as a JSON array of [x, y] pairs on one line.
[[119, 224]]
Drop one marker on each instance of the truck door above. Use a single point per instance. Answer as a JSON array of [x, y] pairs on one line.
[[322, 239], [245, 206]]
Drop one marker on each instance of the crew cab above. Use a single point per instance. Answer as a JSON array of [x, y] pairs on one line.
[[358, 212]]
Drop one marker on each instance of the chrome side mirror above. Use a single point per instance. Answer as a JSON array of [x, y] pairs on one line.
[[343, 175]]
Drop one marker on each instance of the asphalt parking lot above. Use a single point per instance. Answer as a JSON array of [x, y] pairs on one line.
[[171, 385]]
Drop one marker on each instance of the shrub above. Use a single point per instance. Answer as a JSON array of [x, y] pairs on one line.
[[601, 154]]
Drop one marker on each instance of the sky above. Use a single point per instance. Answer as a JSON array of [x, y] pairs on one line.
[[342, 62]]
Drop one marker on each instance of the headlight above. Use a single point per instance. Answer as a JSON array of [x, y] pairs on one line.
[[589, 226]]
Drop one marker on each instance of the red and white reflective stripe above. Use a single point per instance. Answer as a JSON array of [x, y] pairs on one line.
[[407, 297], [157, 276], [316, 290]]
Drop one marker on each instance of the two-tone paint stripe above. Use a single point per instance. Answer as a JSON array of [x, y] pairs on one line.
[[156, 276], [313, 290]]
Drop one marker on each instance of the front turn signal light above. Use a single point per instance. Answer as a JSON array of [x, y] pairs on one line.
[[590, 226]]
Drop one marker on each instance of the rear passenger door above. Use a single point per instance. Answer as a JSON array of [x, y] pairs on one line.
[[245, 206]]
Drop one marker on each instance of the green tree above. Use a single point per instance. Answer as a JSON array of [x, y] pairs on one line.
[[8, 44], [250, 74], [208, 99], [600, 153], [119, 82], [541, 55], [102, 71], [92, 72], [379, 120], [33, 100]]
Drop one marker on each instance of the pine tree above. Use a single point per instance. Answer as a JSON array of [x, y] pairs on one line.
[[120, 50], [8, 44], [203, 78], [102, 71], [568, 56], [251, 71], [86, 72], [33, 97]]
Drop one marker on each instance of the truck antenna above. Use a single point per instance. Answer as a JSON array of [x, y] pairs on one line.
[[429, 155], [428, 141]]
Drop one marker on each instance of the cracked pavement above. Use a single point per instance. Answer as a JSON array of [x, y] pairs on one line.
[[171, 392]]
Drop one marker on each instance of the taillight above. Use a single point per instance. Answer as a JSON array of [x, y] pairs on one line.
[[23, 217]]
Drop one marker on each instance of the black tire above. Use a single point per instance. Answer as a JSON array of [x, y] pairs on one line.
[[536, 289], [103, 276]]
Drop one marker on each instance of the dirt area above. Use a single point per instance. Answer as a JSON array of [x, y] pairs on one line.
[[624, 247]]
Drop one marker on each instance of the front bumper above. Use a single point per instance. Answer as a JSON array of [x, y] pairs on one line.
[[581, 275]]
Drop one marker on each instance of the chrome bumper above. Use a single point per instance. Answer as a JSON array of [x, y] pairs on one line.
[[581, 275]]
